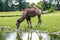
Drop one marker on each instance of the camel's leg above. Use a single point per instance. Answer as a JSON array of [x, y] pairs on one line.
[[20, 20], [30, 24], [28, 20], [39, 20], [17, 24]]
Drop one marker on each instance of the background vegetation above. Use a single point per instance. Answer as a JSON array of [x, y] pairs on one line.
[[15, 5]]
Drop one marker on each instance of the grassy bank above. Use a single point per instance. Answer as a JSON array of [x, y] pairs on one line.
[[10, 13], [50, 22]]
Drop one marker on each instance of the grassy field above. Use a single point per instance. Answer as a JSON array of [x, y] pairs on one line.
[[10, 13], [50, 22]]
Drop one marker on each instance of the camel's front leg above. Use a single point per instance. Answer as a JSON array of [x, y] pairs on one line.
[[17, 24], [29, 23], [20, 20], [28, 20]]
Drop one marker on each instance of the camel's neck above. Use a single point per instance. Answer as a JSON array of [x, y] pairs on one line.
[[22, 18]]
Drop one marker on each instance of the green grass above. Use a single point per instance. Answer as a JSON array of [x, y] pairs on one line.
[[10, 13], [50, 22]]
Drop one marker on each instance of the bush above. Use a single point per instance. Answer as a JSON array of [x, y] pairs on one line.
[[45, 6], [51, 9], [40, 5]]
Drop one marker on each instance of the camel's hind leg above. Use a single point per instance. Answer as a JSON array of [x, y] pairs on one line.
[[39, 20]]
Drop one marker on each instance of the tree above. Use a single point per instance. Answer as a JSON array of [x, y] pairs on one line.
[[6, 6], [43, 0], [40, 5], [50, 1], [0, 5], [3, 5], [58, 5], [44, 3], [22, 4], [32, 4]]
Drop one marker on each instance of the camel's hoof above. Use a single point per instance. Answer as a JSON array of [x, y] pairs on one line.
[[35, 26], [29, 27], [16, 29]]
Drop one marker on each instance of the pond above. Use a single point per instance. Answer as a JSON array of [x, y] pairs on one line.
[[28, 35]]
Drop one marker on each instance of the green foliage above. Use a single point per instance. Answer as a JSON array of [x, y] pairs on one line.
[[51, 9], [32, 4], [45, 6], [22, 4], [4, 6], [8, 5], [0, 5], [40, 5]]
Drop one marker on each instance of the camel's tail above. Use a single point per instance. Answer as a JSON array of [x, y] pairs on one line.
[[44, 12]]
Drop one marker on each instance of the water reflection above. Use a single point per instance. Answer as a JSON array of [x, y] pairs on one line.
[[55, 37], [28, 36], [18, 37], [12, 36]]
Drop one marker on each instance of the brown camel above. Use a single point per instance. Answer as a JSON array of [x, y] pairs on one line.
[[27, 14]]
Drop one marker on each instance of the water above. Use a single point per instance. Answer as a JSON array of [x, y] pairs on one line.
[[12, 36], [29, 35]]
